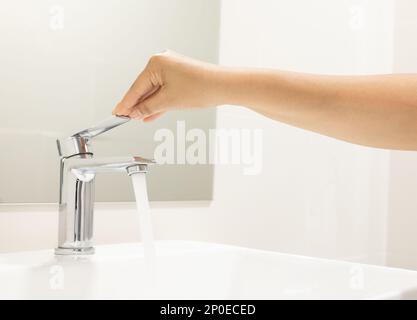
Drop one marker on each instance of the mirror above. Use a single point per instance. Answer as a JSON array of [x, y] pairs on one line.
[[65, 64]]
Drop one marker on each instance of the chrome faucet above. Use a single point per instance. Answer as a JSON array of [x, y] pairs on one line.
[[78, 168]]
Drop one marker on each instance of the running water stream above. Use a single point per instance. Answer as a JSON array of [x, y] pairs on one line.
[[145, 219]]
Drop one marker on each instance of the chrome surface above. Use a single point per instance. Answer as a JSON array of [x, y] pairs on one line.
[[137, 169], [78, 169], [106, 125], [73, 145], [80, 142]]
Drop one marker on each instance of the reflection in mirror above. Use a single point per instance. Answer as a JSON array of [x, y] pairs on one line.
[[64, 67]]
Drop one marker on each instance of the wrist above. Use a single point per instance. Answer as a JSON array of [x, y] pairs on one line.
[[218, 83], [230, 86]]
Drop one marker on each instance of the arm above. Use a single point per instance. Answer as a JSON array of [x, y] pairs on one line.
[[378, 111]]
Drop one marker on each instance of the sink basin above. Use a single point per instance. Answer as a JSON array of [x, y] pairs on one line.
[[195, 270]]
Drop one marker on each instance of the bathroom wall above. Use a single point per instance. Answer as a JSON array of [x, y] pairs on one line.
[[315, 196], [402, 221]]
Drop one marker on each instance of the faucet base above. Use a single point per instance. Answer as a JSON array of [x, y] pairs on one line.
[[74, 251]]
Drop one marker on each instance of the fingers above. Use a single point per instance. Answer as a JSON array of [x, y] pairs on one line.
[[150, 107], [144, 86], [141, 87]]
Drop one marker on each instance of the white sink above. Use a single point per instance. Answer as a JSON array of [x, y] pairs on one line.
[[194, 270]]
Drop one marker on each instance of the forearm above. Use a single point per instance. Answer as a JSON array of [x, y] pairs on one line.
[[378, 111]]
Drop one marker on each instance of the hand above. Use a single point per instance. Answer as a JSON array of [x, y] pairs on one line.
[[169, 81]]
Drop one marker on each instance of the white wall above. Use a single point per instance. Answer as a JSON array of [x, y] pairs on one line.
[[316, 196], [402, 222]]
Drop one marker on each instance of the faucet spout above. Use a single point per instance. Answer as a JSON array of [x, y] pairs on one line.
[[91, 166]]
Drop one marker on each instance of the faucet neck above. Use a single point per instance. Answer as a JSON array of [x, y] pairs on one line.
[[76, 210]]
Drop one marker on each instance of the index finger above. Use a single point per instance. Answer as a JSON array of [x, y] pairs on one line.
[[140, 89]]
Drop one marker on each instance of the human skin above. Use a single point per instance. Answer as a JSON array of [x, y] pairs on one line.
[[376, 110]]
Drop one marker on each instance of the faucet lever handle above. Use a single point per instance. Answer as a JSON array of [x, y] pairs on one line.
[[106, 125]]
